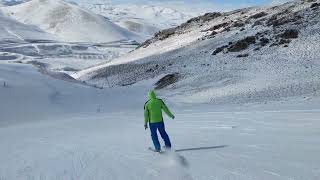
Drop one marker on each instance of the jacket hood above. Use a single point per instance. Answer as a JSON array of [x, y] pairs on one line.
[[152, 95]]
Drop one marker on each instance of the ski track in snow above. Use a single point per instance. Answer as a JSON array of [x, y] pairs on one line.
[[278, 144], [14, 34], [83, 147]]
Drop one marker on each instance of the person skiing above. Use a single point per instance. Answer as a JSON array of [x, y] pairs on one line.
[[153, 115]]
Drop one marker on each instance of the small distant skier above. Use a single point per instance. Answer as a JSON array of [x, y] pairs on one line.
[[153, 115]]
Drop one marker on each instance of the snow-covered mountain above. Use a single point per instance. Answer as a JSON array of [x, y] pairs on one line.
[[68, 21], [54, 127], [13, 31], [11, 2], [142, 19], [246, 55], [33, 33]]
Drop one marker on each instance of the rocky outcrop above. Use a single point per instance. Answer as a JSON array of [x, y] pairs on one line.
[[242, 44], [167, 80], [164, 34]]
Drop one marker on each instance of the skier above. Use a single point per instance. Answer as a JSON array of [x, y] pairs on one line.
[[153, 114]]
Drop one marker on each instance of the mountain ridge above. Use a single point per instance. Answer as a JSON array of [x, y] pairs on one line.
[[239, 56], [68, 21], [145, 20]]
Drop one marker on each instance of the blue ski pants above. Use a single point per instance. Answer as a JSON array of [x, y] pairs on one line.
[[154, 127]]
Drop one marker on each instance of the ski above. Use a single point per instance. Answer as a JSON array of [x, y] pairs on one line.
[[161, 151]]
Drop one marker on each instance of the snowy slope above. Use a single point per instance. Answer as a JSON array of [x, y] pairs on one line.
[[32, 96], [11, 30], [68, 21], [52, 130], [142, 19], [29, 44], [247, 55]]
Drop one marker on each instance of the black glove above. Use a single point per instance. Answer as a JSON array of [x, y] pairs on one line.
[[173, 117], [145, 126]]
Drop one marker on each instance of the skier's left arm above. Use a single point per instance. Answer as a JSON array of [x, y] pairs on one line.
[[166, 110], [146, 116]]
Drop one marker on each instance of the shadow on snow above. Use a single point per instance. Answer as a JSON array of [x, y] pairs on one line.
[[201, 148]]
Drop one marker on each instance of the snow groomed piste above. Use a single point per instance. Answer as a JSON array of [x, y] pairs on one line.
[[48, 132], [243, 86]]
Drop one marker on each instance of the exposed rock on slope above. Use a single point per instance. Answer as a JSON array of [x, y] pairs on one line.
[[164, 34], [273, 55]]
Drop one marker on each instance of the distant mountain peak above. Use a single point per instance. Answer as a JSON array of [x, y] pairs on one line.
[[69, 22], [12, 2], [145, 20]]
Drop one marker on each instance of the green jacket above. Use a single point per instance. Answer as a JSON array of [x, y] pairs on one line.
[[153, 109]]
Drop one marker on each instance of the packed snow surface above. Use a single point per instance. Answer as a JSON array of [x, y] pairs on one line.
[[52, 129]]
